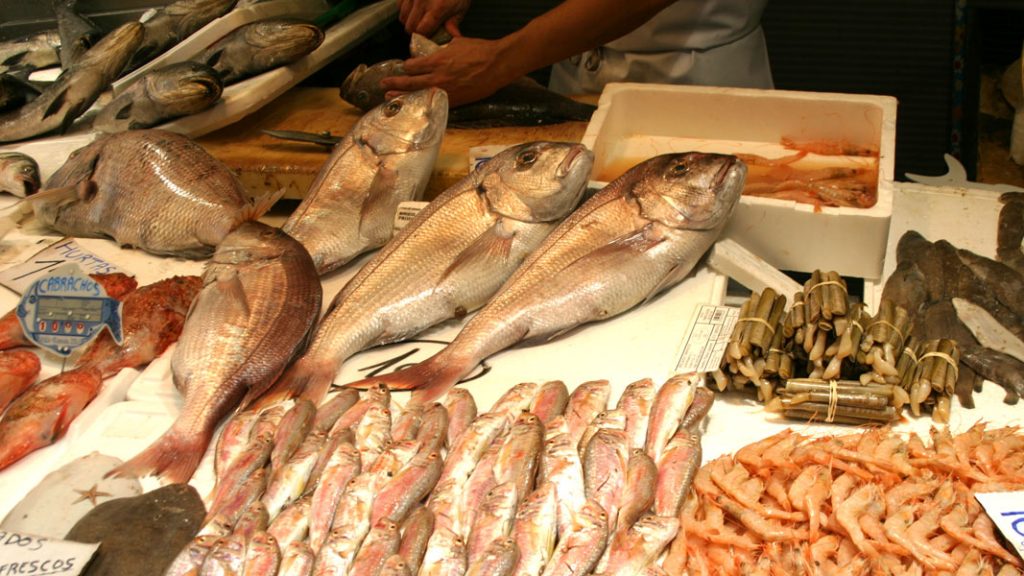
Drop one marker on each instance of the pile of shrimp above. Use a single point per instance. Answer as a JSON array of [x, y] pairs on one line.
[[875, 502]]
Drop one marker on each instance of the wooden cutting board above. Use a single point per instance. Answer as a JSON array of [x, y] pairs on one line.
[[266, 164]]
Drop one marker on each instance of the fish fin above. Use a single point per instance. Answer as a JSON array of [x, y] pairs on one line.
[[57, 103], [378, 203], [213, 58], [431, 379], [490, 248], [229, 283], [640, 241], [260, 206], [173, 457], [299, 380], [83, 190], [125, 112], [674, 276]]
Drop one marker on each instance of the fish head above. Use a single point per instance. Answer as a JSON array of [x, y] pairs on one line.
[[536, 181], [183, 84], [690, 190], [409, 122], [250, 242], [282, 40], [362, 88], [19, 174]]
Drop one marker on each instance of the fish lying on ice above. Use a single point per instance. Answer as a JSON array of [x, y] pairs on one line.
[[260, 298], [450, 259], [19, 174], [641, 234], [162, 94], [385, 159], [75, 89], [152, 189], [261, 46]]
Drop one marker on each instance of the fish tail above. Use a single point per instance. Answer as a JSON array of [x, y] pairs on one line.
[[301, 379], [430, 379], [173, 457], [260, 206]]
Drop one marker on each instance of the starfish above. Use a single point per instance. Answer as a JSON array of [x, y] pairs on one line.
[[91, 494]]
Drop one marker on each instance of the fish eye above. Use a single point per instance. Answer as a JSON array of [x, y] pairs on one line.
[[680, 169], [393, 107], [526, 158]]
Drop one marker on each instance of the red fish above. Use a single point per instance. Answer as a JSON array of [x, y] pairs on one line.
[[18, 370]]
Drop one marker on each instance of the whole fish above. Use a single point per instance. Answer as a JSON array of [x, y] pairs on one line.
[[670, 406], [19, 174], [535, 530], [260, 46], [75, 89], [15, 92], [162, 94], [416, 531], [581, 547], [461, 408], [18, 370], [41, 415], [297, 559], [450, 259], [550, 401], [260, 298], [587, 401], [497, 559], [152, 189], [395, 565], [77, 33], [636, 402], [386, 158], [262, 555], [641, 234], [175, 22], [24, 55], [362, 89]]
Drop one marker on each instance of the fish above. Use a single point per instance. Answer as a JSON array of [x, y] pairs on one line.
[[1005, 282], [395, 565], [260, 46], [24, 55], [75, 90], [18, 370], [380, 544], [700, 406], [41, 415], [151, 320], [155, 190], [77, 33], [259, 300], [673, 399], [399, 495], [462, 410], [550, 401], [534, 530], [586, 401], [636, 402], [292, 431], [638, 493], [15, 92], [175, 22], [386, 158], [19, 174], [362, 89], [297, 559], [262, 555], [497, 559], [641, 234], [998, 367], [448, 260], [580, 548], [288, 481], [160, 95]]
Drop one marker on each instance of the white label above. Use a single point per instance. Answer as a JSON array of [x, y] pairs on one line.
[[705, 344], [480, 154], [1006, 509], [406, 212], [20, 276], [35, 556]]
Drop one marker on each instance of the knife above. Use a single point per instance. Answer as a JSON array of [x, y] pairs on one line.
[[324, 138]]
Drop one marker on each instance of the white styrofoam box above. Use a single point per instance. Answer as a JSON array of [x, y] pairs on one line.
[[634, 122]]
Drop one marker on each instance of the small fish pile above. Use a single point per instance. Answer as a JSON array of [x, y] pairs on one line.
[[868, 503], [544, 483], [827, 359]]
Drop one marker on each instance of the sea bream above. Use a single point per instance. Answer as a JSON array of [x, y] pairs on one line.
[[449, 259], [162, 94], [152, 189], [385, 159], [75, 89], [259, 300], [641, 234]]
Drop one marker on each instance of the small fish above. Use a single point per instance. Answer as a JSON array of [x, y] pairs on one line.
[[636, 402], [41, 415], [24, 55], [550, 401], [676, 470], [19, 174], [462, 410], [160, 95], [262, 555], [75, 90], [670, 406], [244, 493], [260, 46], [254, 519], [288, 481], [515, 400], [395, 565], [613, 419], [380, 544], [226, 557], [399, 495], [499, 559], [337, 554], [563, 469], [373, 435], [587, 401], [445, 554], [252, 458], [292, 431], [77, 33], [464, 456], [292, 524], [639, 490], [343, 466], [579, 550], [18, 370], [336, 405], [519, 457], [700, 406], [416, 532], [353, 515], [408, 422], [475, 490], [494, 519], [605, 463], [175, 22], [297, 559], [535, 530], [190, 559], [362, 89], [632, 551]]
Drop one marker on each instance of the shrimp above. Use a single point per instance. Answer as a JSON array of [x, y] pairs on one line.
[[759, 525], [984, 533], [906, 491], [897, 527], [973, 565], [753, 454], [863, 501], [841, 489]]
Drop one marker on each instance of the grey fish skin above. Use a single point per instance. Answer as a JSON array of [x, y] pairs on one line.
[[386, 158], [260, 299], [362, 89], [175, 22], [15, 92], [75, 90], [19, 174], [22, 56], [152, 189], [77, 33], [162, 94], [260, 46], [451, 258], [640, 235]]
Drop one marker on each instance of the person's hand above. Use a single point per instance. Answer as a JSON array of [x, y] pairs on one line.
[[426, 16], [468, 69]]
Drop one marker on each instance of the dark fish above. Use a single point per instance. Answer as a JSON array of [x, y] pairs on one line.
[[1005, 283], [175, 22], [30, 53], [1003, 369], [362, 89], [162, 94], [15, 92], [77, 33], [261, 46], [75, 89]]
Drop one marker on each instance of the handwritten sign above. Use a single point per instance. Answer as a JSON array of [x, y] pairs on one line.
[[1006, 509], [20, 276], [27, 555], [709, 334]]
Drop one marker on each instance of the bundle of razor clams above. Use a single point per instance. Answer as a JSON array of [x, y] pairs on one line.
[[91, 61], [545, 482]]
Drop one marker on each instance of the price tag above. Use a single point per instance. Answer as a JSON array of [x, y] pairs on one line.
[[1006, 509], [66, 309], [20, 276], [705, 343], [35, 556], [406, 212]]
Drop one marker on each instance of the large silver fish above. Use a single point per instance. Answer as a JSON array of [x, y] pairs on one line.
[[151, 189], [175, 22], [161, 94], [642, 233], [450, 259], [385, 159], [261, 46], [260, 298], [75, 89]]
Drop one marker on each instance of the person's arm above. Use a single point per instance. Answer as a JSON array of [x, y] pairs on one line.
[[470, 69]]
